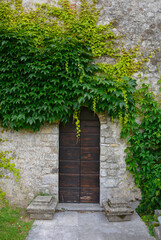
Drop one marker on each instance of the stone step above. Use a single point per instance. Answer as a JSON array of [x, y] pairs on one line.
[[79, 207], [117, 210], [42, 208]]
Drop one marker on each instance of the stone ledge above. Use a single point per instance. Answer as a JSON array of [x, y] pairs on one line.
[[79, 207]]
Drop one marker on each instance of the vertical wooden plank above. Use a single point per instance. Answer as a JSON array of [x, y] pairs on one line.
[[69, 164], [90, 154]]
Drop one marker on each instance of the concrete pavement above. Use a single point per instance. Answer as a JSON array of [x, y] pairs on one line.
[[72, 225]]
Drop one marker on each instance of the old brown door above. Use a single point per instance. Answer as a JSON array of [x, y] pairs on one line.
[[79, 160]]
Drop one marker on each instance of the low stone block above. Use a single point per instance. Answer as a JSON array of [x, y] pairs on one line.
[[116, 202], [41, 200], [157, 233], [159, 220], [119, 218], [157, 212], [41, 216], [117, 210], [42, 207]]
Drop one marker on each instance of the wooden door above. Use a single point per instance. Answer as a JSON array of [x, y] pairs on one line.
[[79, 160]]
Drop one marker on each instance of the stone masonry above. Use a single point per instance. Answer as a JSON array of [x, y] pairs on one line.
[[115, 181], [37, 153], [38, 161]]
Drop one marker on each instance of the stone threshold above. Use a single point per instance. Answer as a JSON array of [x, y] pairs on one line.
[[79, 207]]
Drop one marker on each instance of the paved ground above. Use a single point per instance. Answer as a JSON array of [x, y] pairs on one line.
[[70, 225]]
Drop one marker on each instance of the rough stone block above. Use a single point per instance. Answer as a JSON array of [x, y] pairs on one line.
[[103, 127], [41, 200], [157, 233], [113, 166], [41, 216], [42, 207], [102, 140], [106, 132], [55, 129], [49, 179], [111, 182], [119, 218], [157, 212], [102, 158], [46, 130], [46, 171], [117, 202], [103, 150], [103, 173], [103, 118], [114, 145], [46, 149], [112, 172], [110, 140], [51, 156], [112, 159], [117, 210], [159, 220]]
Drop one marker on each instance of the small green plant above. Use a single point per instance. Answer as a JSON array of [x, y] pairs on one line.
[[44, 194], [13, 225], [6, 166], [149, 219]]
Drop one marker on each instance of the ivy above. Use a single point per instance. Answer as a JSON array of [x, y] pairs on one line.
[[144, 149], [49, 84]]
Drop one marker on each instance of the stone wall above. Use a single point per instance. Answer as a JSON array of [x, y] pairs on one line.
[[137, 21], [115, 181], [37, 159]]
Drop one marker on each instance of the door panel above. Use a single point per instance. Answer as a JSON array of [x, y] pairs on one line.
[[91, 127], [89, 167], [69, 195], [69, 140], [68, 153], [89, 140], [69, 180], [72, 167], [89, 181], [90, 153], [89, 195], [79, 160]]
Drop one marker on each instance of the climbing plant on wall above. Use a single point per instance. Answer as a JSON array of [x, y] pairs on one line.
[[48, 85], [33, 41], [49, 70], [144, 148], [6, 166]]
